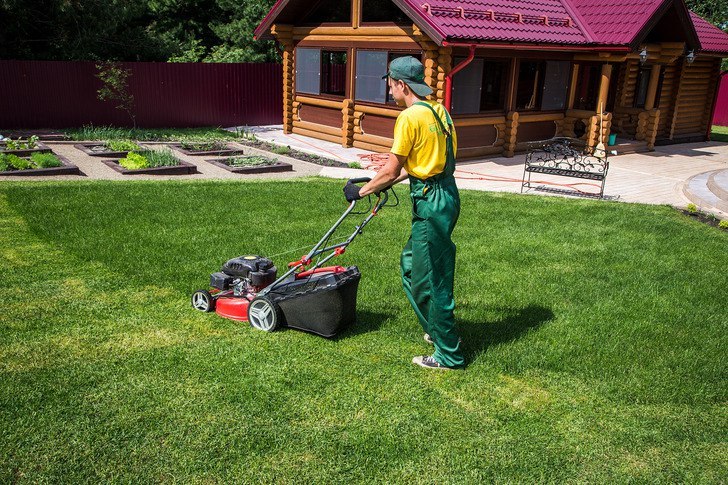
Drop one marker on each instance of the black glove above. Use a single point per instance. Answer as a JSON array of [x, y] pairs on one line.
[[351, 192]]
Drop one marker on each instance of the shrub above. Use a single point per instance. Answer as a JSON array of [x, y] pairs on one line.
[[692, 208], [723, 224], [45, 160], [282, 150], [134, 161], [355, 165], [122, 146]]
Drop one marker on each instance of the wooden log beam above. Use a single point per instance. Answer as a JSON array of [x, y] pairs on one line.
[[604, 87], [373, 110], [572, 86], [324, 103], [484, 121], [328, 130], [373, 139]]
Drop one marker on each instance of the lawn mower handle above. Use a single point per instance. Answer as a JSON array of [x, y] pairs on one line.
[[359, 180]]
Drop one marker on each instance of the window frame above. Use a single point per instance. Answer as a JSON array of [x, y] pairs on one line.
[[541, 85], [417, 54], [321, 94], [505, 79]]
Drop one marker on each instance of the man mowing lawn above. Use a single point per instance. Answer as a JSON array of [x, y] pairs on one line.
[[424, 151]]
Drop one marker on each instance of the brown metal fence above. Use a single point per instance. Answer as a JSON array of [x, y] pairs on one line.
[[60, 94]]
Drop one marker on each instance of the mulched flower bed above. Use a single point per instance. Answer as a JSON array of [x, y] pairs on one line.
[[206, 148], [67, 169], [251, 164], [183, 168], [705, 218]]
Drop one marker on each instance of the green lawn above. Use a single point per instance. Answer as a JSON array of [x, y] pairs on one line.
[[595, 334], [719, 133]]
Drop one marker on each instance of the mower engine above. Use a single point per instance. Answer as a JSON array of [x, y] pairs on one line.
[[245, 275]]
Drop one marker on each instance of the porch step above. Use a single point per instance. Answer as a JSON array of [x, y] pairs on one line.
[[624, 147], [709, 191]]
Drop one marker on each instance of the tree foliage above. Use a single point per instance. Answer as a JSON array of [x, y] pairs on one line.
[[134, 30], [162, 30]]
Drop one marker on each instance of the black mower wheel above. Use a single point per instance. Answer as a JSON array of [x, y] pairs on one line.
[[264, 314], [203, 301]]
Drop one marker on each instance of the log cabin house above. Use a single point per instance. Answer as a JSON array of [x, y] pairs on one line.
[[509, 72]]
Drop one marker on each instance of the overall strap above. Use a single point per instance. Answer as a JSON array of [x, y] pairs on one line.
[[450, 151], [442, 127]]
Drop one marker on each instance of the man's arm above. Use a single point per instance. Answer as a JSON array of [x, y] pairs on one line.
[[391, 173]]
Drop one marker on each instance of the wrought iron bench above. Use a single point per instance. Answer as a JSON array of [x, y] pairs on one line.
[[567, 157]]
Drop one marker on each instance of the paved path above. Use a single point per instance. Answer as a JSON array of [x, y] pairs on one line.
[[650, 178]]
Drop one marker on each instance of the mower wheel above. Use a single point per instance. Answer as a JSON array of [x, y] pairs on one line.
[[264, 314], [203, 301]]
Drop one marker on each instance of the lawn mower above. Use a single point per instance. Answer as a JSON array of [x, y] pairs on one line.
[[309, 296]]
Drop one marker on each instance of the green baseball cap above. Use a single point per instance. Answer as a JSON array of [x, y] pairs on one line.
[[412, 72]]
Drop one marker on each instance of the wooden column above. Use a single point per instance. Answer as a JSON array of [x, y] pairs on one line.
[[572, 86], [604, 87], [347, 123], [284, 35], [444, 66], [652, 87], [356, 13], [511, 137]]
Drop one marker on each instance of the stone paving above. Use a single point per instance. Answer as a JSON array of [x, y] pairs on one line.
[[652, 178]]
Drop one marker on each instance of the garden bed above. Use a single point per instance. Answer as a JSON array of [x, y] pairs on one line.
[[208, 148], [290, 152], [104, 150], [67, 168], [251, 164], [183, 168], [24, 152]]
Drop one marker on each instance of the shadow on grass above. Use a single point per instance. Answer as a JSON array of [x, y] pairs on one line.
[[478, 336], [366, 321]]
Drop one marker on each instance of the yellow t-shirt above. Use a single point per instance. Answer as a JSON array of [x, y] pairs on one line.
[[417, 136]]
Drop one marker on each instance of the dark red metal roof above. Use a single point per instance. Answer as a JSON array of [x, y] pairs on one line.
[[712, 39], [619, 22], [544, 21], [596, 23]]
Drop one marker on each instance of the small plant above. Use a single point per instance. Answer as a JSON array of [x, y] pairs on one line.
[[692, 208], [134, 161], [5, 165], [122, 146], [204, 145], [116, 87], [45, 160], [18, 163], [723, 224], [282, 150], [19, 144], [355, 165], [252, 161]]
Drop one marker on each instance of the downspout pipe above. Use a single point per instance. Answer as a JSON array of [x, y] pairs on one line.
[[455, 70]]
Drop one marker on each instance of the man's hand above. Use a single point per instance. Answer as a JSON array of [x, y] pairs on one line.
[[351, 192]]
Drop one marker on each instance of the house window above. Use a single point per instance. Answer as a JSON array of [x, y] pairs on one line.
[[370, 67], [383, 11], [320, 72], [333, 73], [542, 85], [643, 81], [587, 87], [308, 71], [495, 81], [480, 86]]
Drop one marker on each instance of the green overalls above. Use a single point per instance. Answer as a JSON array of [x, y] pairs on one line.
[[428, 258]]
